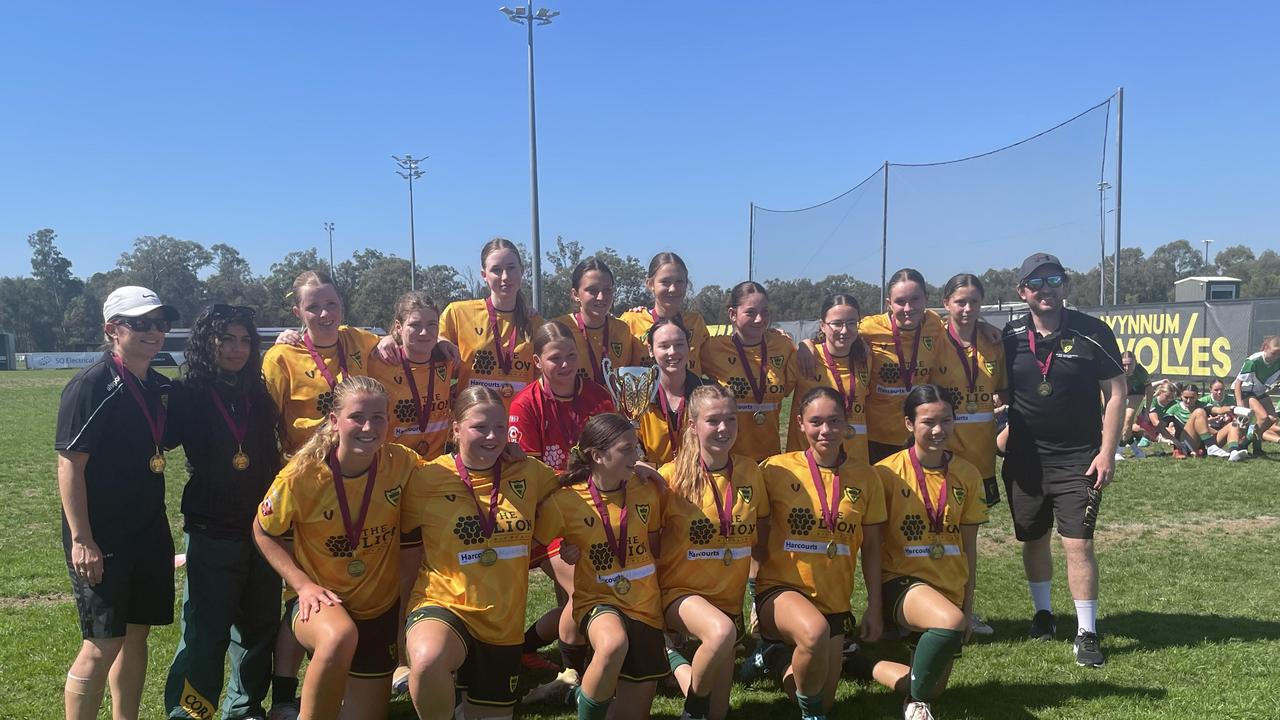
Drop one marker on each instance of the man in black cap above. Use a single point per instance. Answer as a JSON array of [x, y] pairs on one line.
[[1061, 448]]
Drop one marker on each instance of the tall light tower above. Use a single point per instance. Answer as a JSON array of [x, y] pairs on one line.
[[1206, 252], [529, 18], [409, 171], [328, 227]]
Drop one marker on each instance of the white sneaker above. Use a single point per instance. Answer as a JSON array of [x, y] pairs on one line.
[[1119, 456], [1238, 455], [556, 688], [978, 627], [912, 710], [1216, 451], [283, 711], [1137, 451]]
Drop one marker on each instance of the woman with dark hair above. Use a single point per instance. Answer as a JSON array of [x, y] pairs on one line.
[[928, 573], [223, 416], [842, 365], [661, 424], [599, 334]]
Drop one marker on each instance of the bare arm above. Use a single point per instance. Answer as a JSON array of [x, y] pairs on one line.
[[311, 596], [86, 557], [760, 551], [1103, 466], [1235, 388]]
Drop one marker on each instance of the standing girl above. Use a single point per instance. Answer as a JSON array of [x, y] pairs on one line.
[[477, 513], [661, 425], [599, 334], [223, 416], [615, 518], [340, 495], [418, 384], [824, 505], [668, 281], [493, 334], [842, 365], [928, 572], [758, 366], [709, 517], [1257, 374]]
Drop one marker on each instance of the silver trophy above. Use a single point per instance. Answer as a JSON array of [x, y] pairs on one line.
[[633, 388]]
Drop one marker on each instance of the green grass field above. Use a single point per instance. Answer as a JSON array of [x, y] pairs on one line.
[[1190, 606]]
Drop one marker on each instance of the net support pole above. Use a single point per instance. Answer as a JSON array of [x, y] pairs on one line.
[[751, 243], [884, 237], [1115, 272]]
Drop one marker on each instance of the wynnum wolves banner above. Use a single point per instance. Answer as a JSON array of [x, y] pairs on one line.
[[1184, 340]]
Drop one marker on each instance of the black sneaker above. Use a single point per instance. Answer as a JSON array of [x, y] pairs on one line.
[[1043, 626], [1088, 650]]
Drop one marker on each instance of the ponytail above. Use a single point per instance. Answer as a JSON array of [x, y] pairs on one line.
[[688, 480], [599, 433], [520, 314]]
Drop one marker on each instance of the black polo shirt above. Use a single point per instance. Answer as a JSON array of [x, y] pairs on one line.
[[99, 416], [1065, 427], [219, 500]]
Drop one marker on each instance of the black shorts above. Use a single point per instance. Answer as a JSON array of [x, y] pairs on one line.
[[376, 642], [892, 593], [841, 623], [136, 587], [490, 673], [1040, 495], [739, 626], [877, 451], [646, 659]]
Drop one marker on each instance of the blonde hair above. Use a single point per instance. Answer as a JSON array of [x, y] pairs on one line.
[[688, 481], [412, 301], [314, 453], [469, 398], [311, 278]]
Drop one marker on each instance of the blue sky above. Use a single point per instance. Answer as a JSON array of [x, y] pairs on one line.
[[254, 123]]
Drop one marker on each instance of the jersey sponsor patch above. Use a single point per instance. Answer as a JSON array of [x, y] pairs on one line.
[[808, 546], [507, 552]]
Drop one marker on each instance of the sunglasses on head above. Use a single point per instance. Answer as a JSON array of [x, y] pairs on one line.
[[218, 310], [144, 324], [1053, 281]]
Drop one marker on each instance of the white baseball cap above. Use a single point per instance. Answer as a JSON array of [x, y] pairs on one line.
[[133, 301]]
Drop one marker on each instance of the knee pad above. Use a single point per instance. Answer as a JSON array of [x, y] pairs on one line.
[[933, 655]]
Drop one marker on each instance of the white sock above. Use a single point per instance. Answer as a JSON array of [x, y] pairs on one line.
[[1086, 616], [1040, 594]]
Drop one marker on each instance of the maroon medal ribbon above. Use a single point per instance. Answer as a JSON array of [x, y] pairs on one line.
[[489, 521], [830, 510], [834, 369], [757, 386], [723, 508], [238, 430], [506, 358], [935, 513], [565, 420], [352, 529], [908, 373], [423, 409], [156, 422], [1031, 343], [967, 361], [617, 543], [319, 361], [673, 427], [596, 370]]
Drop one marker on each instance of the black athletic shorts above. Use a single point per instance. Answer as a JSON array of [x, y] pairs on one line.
[[739, 626], [136, 587], [490, 673], [646, 647], [376, 642], [1039, 496], [841, 623], [892, 593]]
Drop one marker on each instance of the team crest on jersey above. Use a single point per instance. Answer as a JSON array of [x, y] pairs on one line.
[[643, 511], [959, 494], [927, 341], [513, 432], [357, 356], [616, 347], [862, 376], [517, 487], [1068, 344], [393, 495], [991, 368], [776, 361], [441, 373], [512, 682], [744, 492], [853, 493], [266, 507]]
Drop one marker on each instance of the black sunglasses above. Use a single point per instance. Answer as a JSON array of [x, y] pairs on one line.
[[1053, 281], [218, 310], [144, 324]]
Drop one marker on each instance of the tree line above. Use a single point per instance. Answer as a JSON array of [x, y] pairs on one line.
[[54, 310]]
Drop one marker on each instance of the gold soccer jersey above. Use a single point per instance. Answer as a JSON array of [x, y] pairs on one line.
[[888, 387], [434, 378], [803, 553], [855, 446], [974, 437], [598, 578], [641, 321], [623, 348], [909, 537], [366, 576], [697, 558], [720, 360], [466, 324], [301, 392], [484, 581]]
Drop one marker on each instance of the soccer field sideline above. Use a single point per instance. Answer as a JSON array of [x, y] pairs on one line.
[[1190, 562]]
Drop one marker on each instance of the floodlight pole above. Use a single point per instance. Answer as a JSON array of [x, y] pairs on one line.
[[409, 171], [329, 229], [884, 238], [1115, 275], [1102, 242], [1206, 253], [751, 243]]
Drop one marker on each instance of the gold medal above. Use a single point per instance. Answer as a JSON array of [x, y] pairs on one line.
[[157, 463], [728, 557], [758, 417], [971, 407], [1045, 389], [850, 432], [355, 568], [832, 549], [240, 461], [622, 586], [488, 557], [936, 551]]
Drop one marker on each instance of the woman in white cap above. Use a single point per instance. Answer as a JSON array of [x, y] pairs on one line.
[[115, 533]]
